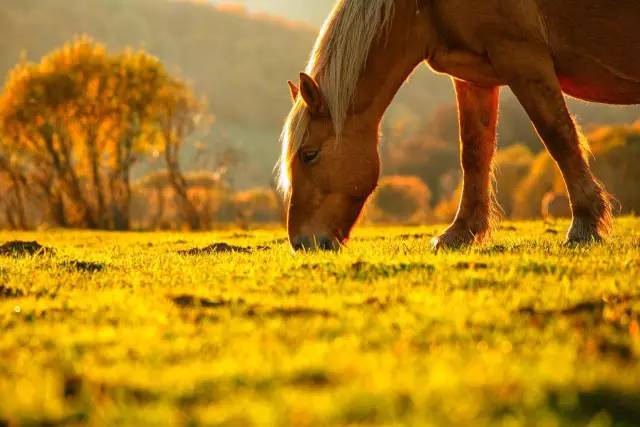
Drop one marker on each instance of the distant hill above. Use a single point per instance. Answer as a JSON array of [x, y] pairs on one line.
[[239, 60], [312, 12]]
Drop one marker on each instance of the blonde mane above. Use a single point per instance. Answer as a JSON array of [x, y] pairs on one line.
[[337, 61]]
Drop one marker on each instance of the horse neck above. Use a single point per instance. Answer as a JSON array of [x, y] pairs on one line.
[[392, 58]]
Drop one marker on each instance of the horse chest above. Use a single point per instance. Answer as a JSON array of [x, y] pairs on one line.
[[465, 65]]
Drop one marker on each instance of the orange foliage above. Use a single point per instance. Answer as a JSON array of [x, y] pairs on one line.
[[400, 199], [74, 124], [616, 153]]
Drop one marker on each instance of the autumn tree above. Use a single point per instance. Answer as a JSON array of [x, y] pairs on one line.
[[74, 125], [616, 151]]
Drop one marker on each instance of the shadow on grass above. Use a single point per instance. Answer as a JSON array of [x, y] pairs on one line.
[[622, 407], [192, 302], [222, 248], [606, 325], [83, 266], [365, 271]]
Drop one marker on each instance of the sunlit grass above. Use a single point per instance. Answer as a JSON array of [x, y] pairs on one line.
[[520, 331]]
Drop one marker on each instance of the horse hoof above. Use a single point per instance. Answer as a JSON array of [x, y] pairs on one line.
[[452, 241], [582, 232]]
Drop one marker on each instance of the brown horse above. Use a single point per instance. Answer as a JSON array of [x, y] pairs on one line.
[[589, 49]]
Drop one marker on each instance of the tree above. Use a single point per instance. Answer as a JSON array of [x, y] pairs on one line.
[[75, 124], [543, 177], [512, 165], [616, 151]]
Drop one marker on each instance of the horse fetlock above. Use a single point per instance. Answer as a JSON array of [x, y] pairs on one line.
[[593, 212]]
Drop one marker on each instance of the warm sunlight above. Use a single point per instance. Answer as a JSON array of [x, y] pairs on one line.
[[319, 213]]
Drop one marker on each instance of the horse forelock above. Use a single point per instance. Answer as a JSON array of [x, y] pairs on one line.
[[337, 61], [292, 136]]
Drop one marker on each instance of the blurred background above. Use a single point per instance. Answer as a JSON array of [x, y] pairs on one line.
[[158, 114]]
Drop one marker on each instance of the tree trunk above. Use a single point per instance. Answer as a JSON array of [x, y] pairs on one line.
[[94, 165], [179, 183], [64, 171], [20, 210], [18, 182], [157, 218]]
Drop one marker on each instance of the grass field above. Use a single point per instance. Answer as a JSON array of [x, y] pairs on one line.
[[121, 329]]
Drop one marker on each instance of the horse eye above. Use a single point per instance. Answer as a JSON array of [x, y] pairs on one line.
[[308, 157]]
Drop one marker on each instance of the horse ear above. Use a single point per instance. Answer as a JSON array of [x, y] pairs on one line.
[[312, 96], [295, 90]]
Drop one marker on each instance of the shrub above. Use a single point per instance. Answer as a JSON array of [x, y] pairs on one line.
[[512, 166], [257, 206], [616, 155], [543, 177], [401, 199], [425, 156], [446, 210], [75, 124], [555, 205], [156, 204], [617, 159]]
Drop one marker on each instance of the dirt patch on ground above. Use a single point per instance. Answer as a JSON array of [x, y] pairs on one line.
[[285, 241], [364, 270], [8, 292], [288, 312], [222, 248], [20, 249], [83, 266], [188, 301], [596, 321], [191, 301], [595, 307], [416, 236], [620, 405], [471, 266], [312, 378]]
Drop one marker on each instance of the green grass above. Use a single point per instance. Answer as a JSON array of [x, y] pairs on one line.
[[520, 331]]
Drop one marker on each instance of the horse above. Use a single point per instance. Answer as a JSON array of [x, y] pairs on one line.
[[541, 49]]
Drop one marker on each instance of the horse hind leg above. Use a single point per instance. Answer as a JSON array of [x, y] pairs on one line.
[[530, 73], [478, 110]]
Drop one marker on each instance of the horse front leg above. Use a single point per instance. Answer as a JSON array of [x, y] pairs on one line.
[[530, 72], [478, 113]]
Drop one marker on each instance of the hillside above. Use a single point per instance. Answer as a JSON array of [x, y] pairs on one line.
[[312, 12], [230, 57], [238, 60]]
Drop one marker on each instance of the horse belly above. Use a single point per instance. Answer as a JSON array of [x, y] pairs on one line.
[[596, 47], [589, 80]]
